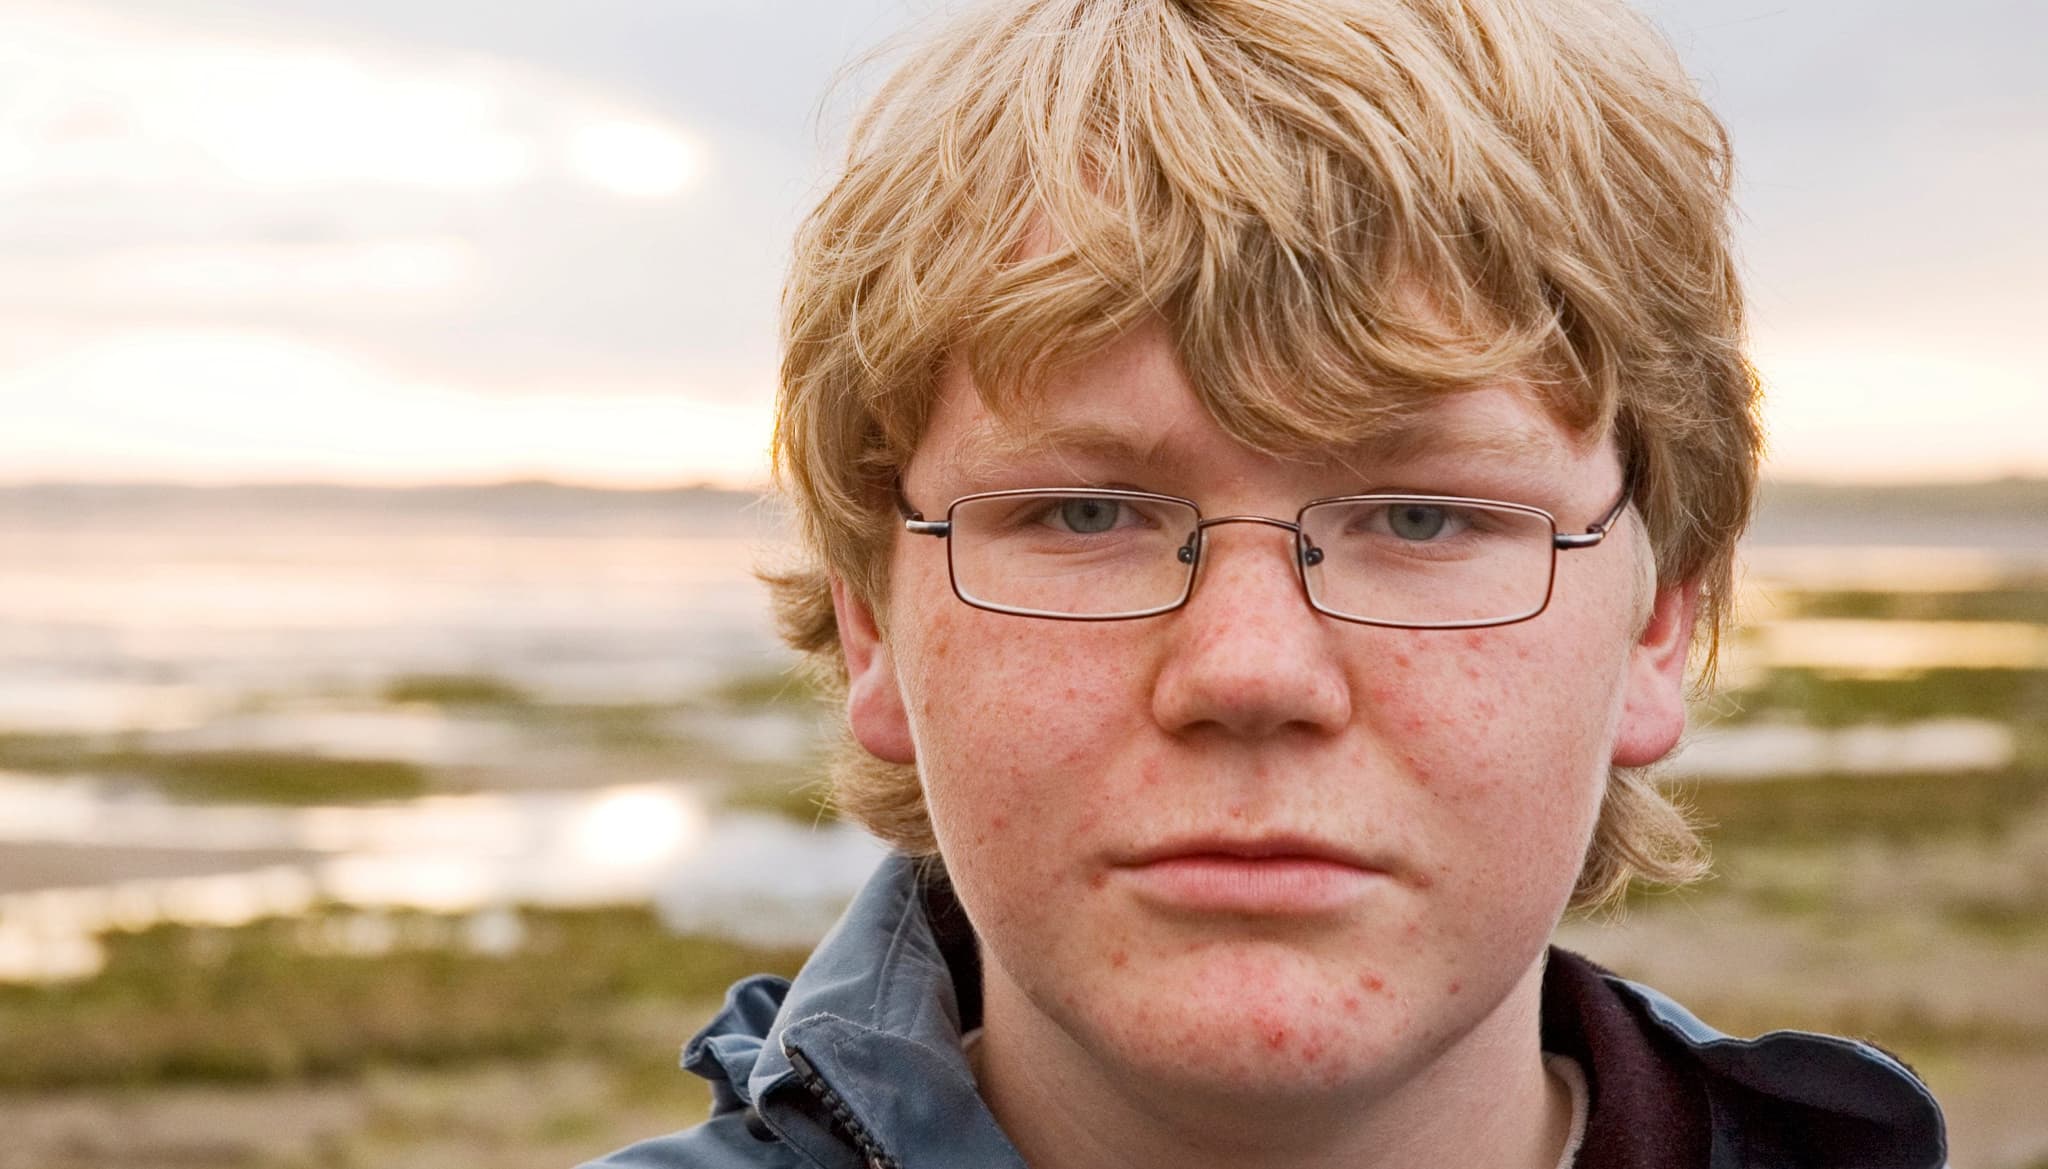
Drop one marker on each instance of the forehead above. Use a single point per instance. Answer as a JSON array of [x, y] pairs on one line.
[[1131, 404]]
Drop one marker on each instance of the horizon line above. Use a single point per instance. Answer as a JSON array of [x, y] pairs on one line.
[[598, 486]]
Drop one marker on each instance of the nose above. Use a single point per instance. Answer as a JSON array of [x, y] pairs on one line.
[[1247, 656]]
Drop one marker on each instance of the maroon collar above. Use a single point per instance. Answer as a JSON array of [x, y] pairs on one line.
[[1647, 1107]]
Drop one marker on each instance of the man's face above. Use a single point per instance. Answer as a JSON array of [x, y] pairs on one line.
[[1243, 845]]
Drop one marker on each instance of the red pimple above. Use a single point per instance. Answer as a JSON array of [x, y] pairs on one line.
[[1237, 811], [1276, 1038], [999, 822], [1119, 959], [1424, 881], [1455, 986], [1403, 660], [1350, 1004], [1373, 983], [1098, 880]]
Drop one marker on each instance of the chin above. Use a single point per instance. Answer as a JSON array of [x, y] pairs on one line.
[[1253, 1024]]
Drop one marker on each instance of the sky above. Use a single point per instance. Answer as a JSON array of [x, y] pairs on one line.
[[387, 241]]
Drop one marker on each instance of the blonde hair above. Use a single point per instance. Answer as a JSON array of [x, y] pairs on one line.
[[1341, 209]]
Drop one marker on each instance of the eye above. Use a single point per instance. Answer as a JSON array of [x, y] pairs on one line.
[[1089, 516], [1417, 521]]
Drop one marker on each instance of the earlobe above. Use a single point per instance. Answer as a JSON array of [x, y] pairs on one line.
[[874, 701], [1653, 714]]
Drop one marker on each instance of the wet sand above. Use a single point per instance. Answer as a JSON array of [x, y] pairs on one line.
[[27, 867]]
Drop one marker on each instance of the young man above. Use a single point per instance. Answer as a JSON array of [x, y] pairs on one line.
[[1268, 463]]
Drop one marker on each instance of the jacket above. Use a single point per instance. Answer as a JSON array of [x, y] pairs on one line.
[[858, 1065]]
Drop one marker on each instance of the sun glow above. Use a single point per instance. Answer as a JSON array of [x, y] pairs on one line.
[[637, 160], [216, 406]]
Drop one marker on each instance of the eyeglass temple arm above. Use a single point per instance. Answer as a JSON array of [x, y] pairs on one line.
[[914, 521], [1566, 541]]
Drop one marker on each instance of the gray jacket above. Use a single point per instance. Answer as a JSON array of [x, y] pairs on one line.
[[858, 1065]]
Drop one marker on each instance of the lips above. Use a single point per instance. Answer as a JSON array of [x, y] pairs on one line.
[[1265, 847], [1272, 875]]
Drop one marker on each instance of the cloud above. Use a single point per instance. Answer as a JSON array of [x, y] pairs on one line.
[[464, 218]]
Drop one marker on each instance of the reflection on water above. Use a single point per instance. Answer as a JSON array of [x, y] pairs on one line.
[[1849, 645], [1890, 568], [761, 877], [135, 608], [1772, 750]]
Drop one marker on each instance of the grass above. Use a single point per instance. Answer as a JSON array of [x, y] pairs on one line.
[[266, 1002], [769, 688], [1829, 699], [2014, 602], [803, 801], [2014, 920], [455, 690], [270, 777], [1828, 810]]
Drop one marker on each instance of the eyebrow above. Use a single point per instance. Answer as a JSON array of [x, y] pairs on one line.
[[992, 445], [1412, 439]]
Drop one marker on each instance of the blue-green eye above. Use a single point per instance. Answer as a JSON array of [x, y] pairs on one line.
[[1416, 521], [1088, 516]]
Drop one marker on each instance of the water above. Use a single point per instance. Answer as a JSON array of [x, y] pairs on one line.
[[223, 864]]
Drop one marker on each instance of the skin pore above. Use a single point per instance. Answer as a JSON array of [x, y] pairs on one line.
[[1397, 816]]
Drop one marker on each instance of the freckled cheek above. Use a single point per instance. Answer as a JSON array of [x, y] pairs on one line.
[[1495, 730], [1014, 728]]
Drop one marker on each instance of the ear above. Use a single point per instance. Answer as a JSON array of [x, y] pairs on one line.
[[1653, 714], [874, 702]]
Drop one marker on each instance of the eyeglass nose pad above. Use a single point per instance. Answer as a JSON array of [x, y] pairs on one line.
[[1310, 554], [1186, 553]]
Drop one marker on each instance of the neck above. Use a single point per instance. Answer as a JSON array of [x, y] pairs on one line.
[[1485, 1099]]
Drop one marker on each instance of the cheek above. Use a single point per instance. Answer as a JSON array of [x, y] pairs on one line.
[[1013, 720], [1501, 733]]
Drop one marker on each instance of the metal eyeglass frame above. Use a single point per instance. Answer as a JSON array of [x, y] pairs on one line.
[[1306, 555]]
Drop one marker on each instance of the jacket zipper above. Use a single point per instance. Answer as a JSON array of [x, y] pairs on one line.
[[870, 1149]]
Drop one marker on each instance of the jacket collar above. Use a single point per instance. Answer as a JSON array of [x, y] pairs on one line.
[[874, 1010]]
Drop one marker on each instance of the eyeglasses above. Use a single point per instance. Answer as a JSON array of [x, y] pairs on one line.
[[1105, 554]]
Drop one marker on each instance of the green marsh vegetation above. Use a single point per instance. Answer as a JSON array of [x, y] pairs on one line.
[[218, 776], [286, 1000], [695, 736], [461, 691], [2020, 602], [1834, 698]]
